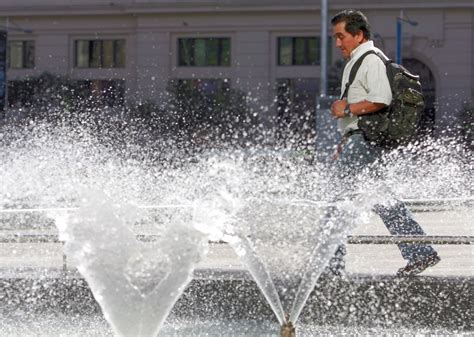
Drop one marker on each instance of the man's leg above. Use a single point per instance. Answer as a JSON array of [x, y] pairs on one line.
[[354, 156], [399, 221]]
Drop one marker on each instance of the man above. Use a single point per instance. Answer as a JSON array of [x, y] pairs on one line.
[[370, 92]]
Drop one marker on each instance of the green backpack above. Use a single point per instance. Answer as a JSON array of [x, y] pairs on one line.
[[398, 123]]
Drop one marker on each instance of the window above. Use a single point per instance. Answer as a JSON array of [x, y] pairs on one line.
[[296, 51], [99, 53], [21, 54], [204, 52]]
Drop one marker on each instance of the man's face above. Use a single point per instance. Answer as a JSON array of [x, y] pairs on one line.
[[344, 40]]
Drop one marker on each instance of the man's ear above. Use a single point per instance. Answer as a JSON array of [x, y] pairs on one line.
[[360, 36]]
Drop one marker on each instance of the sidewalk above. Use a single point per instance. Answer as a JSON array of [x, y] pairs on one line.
[[385, 259], [362, 259], [456, 260]]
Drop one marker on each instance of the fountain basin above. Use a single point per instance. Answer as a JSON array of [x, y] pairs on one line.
[[357, 303], [37, 292]]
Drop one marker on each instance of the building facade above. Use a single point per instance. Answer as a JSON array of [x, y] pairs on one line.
[[266, 48]]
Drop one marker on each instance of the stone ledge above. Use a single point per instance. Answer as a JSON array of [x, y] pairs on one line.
[[359, 300]]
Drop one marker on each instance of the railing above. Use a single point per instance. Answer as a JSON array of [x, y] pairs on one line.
[[352, 239], [425, 239]]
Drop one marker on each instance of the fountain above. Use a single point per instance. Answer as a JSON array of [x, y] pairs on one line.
[[137, 231], [136, 283]]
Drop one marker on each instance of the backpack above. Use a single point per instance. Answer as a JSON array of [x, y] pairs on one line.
[[398, 123]]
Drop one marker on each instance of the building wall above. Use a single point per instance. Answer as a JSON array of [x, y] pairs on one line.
[[442, 40]]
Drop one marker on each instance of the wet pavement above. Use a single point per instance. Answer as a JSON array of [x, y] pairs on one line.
[[362, 259]]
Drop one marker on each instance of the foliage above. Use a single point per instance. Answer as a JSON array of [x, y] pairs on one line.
[[467, 123], [334, 77], [221, 116], [56, 98], [185, 115]]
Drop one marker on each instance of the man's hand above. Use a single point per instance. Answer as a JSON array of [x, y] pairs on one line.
[[337, 108], [358, 109]]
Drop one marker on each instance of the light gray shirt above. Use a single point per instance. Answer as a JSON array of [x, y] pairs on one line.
[[370, 83]]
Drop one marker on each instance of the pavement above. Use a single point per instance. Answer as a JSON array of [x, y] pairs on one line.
[[456, 260], [26, 259]]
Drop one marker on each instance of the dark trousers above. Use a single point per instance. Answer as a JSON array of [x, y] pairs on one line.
[[355, 155]]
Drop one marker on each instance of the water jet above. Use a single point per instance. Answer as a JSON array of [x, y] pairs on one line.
[[136, 232]]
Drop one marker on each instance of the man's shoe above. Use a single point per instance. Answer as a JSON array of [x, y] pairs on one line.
[[416, 267]]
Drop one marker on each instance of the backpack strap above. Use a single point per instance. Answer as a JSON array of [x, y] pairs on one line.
[[354, 70]]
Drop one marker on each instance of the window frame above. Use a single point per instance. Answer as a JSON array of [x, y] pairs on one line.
[[223, 51], [93, 46], [307, 59], [28, 55]]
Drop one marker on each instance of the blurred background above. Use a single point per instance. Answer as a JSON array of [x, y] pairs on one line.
[[241, 62]]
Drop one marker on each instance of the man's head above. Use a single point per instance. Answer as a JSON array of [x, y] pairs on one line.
[[350, 29]]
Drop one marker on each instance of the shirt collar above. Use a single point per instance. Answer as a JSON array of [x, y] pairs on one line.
[[364, 47]]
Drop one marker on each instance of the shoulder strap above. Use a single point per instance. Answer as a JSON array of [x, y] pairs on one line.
[[354, 70]]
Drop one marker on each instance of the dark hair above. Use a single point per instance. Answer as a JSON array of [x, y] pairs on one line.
[[355, 21]]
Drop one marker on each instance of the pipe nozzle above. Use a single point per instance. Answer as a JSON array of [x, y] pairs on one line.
[[287, 330]]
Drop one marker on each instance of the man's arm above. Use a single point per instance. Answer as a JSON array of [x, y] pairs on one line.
[[357, 109]]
